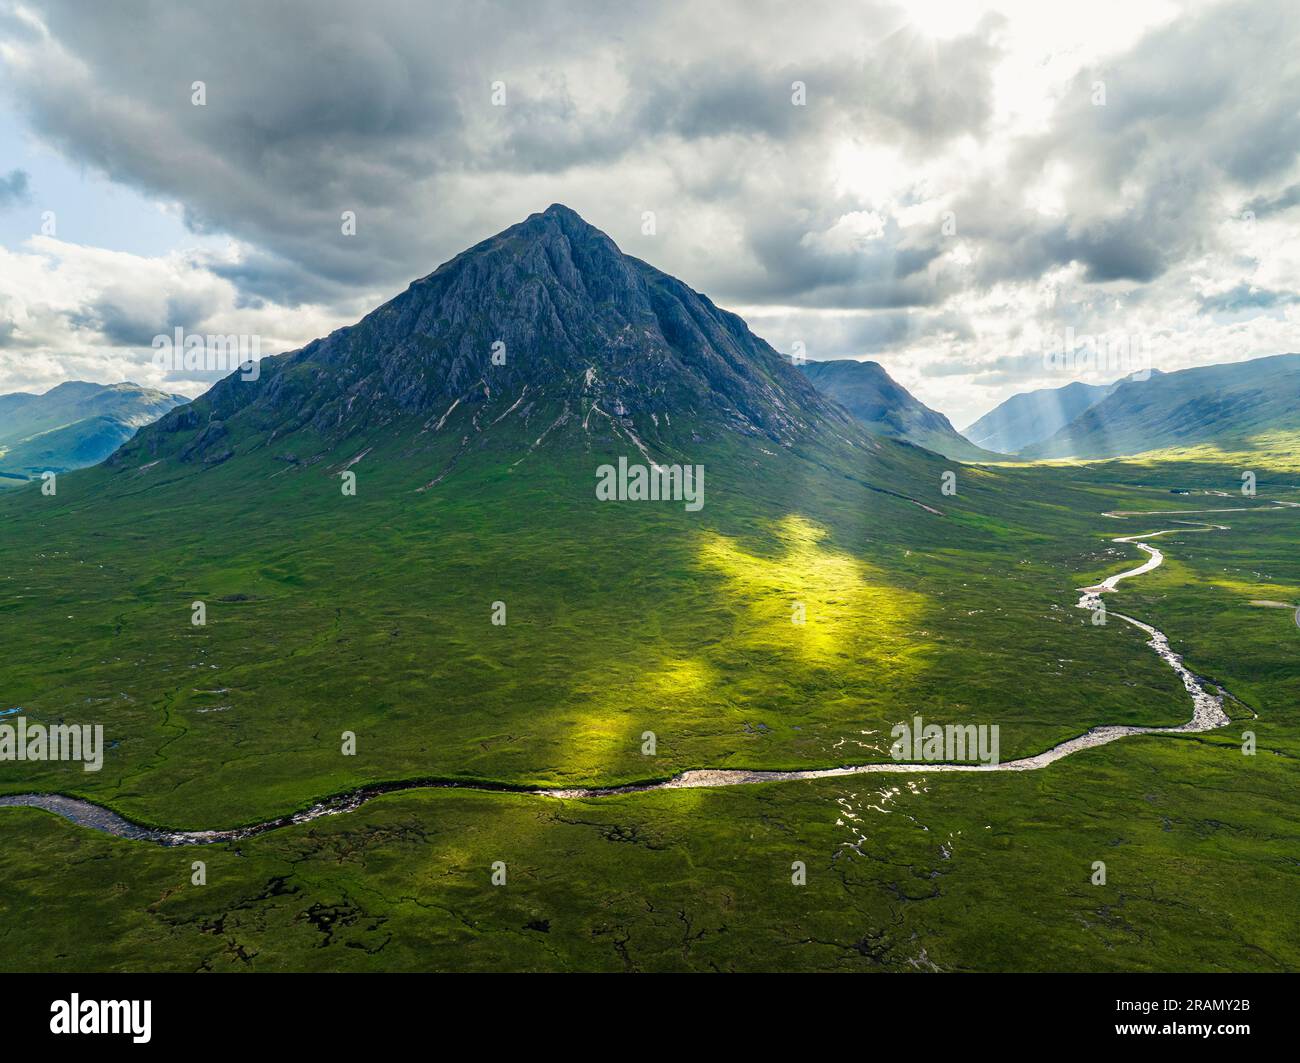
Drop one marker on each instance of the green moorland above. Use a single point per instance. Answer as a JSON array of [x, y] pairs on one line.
[[372, 614]]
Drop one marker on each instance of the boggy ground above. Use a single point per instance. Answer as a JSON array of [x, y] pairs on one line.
[[382, 627]]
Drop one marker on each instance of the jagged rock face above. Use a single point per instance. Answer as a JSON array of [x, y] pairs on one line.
[[574, 323]]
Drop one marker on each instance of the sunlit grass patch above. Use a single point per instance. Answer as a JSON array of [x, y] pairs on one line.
[[806, 599]]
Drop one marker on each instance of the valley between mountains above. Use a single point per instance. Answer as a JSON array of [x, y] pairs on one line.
[[371, 614], [1207, 715]]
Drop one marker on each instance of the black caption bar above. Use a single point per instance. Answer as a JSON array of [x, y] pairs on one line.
[[337, 1012]]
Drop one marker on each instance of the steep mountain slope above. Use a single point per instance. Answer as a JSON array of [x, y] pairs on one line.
[[476, 483], [1033, 416], [1219, 404], [886, 407], [545, 328], [825, 582], [73, 425]]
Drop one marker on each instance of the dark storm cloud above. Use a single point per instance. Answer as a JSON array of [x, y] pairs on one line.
[[1262, 206], [262, 277], [311, 110], [13, 188], [1203, 107], [908, 88], [314, 109], [1112, 249], [124, 325], [119, 326], [877, 273]]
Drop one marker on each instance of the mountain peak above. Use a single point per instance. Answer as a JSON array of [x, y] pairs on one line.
[[74, 424], [885, 407], [545, 329], [566, 219], [76, 387], [559, 210]]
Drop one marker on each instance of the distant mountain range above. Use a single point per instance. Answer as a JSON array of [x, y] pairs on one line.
[[886, 407], [1220, 404], [547, 334], [1033, 416], [73, 425]]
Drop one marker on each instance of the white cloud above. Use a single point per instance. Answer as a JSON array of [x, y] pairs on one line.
[[74, 312], [822, 222]]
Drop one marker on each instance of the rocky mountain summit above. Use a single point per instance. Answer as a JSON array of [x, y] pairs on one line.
[[547, 325]]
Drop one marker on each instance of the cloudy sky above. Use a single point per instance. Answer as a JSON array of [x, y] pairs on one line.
[[955, 184]]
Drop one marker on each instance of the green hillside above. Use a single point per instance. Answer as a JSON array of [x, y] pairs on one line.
[[887, 408], [353, 522], [1216, 404]]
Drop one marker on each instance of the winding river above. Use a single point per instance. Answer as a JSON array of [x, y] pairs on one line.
[[1207, 715]]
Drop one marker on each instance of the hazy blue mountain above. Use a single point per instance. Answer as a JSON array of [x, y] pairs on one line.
[[888, 408], [1033, 416], [1211, 404], [73, 425]]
